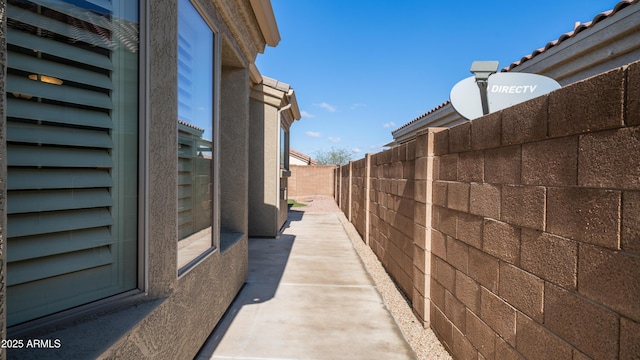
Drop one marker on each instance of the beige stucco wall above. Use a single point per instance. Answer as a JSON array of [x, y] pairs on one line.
[[273, 107], [195, 302], [263, 168], [171, 316]]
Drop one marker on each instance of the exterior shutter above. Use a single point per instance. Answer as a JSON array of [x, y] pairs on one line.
[[69, 240]]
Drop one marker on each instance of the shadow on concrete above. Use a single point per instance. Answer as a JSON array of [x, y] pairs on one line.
[[294, 215], [268, 258]]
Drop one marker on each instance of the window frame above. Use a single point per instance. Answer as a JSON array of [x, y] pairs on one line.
[[144, 64], [142, 222], [284, 146], [215, 166]]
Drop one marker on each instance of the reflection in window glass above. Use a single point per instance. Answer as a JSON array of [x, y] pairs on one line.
[[72, 145], [195, 134]]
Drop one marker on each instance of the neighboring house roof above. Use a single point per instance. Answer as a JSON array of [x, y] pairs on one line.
[[604, 43], [189, 125], [577, 28], [423, 115], [302, 157]]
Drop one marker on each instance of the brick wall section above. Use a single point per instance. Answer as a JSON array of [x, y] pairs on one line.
[[390, 228], [389, 196], [535, 226], [344, 201], [311, 180], [359, 189], [517, 235]]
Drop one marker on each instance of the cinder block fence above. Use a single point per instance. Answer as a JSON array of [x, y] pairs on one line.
[[311, 180], [516, 235]]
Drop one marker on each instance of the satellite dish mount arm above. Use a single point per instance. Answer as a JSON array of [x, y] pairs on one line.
[[482, 70], [482, 84]]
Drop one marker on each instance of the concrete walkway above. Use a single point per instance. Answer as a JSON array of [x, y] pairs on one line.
[[307, 296]]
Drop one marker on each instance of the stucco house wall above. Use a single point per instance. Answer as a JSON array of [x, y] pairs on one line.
[[273, 110], [170, 314]]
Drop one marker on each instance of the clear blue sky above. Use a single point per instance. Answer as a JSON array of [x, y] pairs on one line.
[[362, 68]]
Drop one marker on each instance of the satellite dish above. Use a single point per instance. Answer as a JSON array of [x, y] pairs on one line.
[[504, 89]]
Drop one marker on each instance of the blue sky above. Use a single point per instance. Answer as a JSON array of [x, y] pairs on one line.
[[362, 68]]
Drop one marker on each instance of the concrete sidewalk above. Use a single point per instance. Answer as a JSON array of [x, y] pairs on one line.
[[307, 296]]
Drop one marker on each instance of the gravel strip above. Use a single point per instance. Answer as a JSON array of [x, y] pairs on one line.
[[423, 341]]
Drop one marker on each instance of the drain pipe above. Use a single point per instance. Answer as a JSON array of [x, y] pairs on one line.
[[286, 107]]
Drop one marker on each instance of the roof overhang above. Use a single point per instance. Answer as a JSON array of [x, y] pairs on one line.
[[279, 95], [254, 74], [266, 20]]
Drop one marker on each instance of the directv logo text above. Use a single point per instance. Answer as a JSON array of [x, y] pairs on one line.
[[513, 89]]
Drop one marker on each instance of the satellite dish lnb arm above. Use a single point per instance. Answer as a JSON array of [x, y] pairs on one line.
[[482, 70]]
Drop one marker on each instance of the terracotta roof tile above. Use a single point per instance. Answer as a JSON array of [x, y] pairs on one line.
[[189, 125], [423, 115], [578, 28]]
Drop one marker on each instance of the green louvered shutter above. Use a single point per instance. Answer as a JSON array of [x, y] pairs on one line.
[[72, 130]]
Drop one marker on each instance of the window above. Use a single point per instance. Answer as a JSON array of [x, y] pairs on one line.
[[284, 148], [72, 153], [195, 134]]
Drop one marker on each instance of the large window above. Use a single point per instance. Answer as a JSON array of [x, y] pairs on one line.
[[72, 153], [195, 135], [284, 148]]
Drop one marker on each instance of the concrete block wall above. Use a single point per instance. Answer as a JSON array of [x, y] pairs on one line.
[[422, 216], [388, 225], [345, 186], [311, 180], [392, 205], [517, 235], [359, 195], [535, 227]]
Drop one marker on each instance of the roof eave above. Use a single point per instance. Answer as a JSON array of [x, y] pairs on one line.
[[267, 21], [254, 74]]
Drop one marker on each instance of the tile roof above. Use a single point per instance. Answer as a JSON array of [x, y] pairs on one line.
[[273, 83], [190, 125], [423, 115], [578, 27]]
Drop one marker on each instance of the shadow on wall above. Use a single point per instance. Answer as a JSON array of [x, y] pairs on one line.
[[268, 258]]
